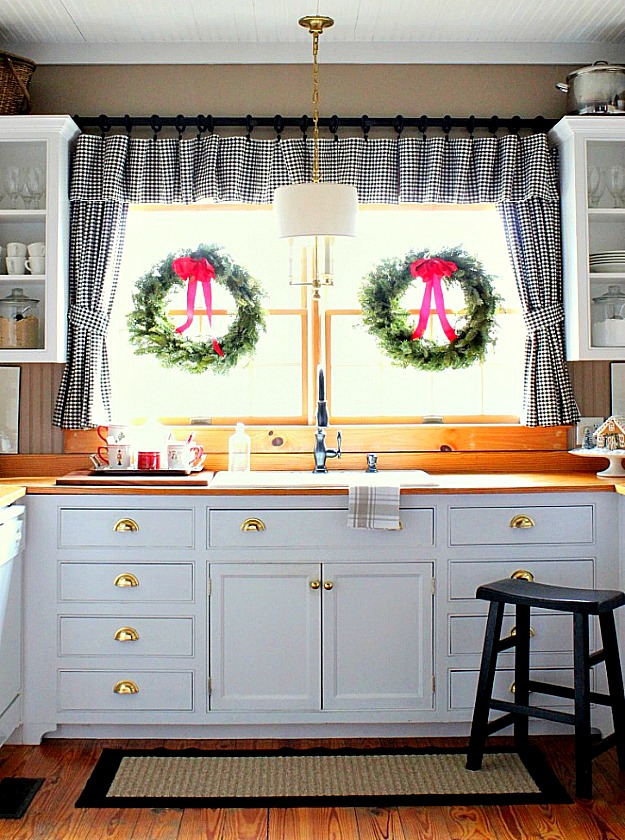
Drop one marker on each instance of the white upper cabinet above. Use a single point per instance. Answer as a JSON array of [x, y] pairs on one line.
[[34, 237], [592, 180]]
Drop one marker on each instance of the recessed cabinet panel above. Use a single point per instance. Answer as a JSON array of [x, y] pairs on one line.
[[127, 583], [525, 525], [125, 528], [124, 636], [466, 575], [34, 237]]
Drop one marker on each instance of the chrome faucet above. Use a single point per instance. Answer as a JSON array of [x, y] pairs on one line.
[[321, 452]]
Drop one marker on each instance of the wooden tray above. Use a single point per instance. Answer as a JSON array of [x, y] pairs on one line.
[[136, 478]]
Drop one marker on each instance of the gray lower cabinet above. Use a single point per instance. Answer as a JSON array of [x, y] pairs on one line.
[[11, 545], [209, 616]]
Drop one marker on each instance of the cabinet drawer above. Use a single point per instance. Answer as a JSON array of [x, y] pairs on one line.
[[495, 525], [115, 636], [130, 583], [463, 685], [145, 528], [553, 633], [312, 529], [89, 691], [465, 576]]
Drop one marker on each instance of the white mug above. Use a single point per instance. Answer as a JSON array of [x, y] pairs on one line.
[[121, 456], [16, 249], [182, 456], [37, 249], [36, 265], [16, 265]]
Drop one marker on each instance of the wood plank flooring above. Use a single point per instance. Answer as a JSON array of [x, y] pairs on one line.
[[66, 765]]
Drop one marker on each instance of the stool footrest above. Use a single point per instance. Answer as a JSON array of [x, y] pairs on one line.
[[604, 744], [499, 723], [596, 657], [534, 711], [504, 644], [568, 692]]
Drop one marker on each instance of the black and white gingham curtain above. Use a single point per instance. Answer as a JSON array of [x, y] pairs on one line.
[[516, 173]]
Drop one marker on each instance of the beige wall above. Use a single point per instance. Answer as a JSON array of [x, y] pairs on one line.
[[265, 90]]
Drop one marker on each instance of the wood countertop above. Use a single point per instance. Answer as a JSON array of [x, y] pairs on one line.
[[13, 488]]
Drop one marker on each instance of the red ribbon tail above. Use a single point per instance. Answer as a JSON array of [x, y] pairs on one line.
[[440, 309], [425, 311], [208, 300], [191, 292]]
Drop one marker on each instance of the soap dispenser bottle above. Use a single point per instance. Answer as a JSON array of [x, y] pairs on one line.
[[239, 450]]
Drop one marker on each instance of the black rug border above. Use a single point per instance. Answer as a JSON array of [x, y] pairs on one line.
[[26, 789], [93, 795]]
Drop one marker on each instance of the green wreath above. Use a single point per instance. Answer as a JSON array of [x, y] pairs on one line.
[[152, 332], [389, 323]]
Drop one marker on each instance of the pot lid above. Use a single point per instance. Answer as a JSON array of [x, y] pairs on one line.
[[602, 66], [614, 295]]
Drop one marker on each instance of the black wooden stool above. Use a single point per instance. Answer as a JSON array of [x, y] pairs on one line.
[[582, 603]]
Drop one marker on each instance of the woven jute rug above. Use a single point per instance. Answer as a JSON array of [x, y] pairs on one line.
[[291, 778]]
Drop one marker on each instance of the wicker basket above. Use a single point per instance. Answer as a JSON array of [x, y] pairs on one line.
[[15, 75]]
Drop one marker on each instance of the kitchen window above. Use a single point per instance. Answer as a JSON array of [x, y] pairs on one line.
[[278, 383]]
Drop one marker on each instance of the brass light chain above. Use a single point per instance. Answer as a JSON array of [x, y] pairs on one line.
[[315, 25]]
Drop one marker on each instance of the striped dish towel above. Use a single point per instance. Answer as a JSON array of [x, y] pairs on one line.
[[374, 506]]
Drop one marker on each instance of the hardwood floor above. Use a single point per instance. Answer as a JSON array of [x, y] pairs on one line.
[[66, 765]]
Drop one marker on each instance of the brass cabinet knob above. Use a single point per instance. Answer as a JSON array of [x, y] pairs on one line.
[[522, 574], [328, 584], [126, 687], [513, 688], [253, 524], [126, 634], [127, 579], [315, 584], [125, 525], [531, 633], [521, 520]]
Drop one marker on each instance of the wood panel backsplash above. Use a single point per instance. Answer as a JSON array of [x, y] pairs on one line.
[[39, 386]]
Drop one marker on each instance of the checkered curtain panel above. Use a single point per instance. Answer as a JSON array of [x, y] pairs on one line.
[[516, 173]]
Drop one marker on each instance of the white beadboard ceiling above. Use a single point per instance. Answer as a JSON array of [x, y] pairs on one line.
[[266, 31]]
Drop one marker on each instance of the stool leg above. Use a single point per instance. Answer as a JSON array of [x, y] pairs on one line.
[[615, 682], [479, 731], [522, 675], [583, 745]]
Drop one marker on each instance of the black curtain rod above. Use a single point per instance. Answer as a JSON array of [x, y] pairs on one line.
[[334, 123]]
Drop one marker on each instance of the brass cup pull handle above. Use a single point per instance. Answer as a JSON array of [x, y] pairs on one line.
[[125, 525], [531, 633], [126, 687], [127, 579], [522, 574], [126, 634], [253, 524], [315, 584], [328, 584], [513, 688], [521, 520]]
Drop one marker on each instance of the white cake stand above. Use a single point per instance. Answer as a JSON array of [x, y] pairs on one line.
[[614, 456]]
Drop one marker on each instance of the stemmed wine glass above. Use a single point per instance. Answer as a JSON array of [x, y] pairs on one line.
[[616, 184], [12, 184], [596, 185], [34, 184]]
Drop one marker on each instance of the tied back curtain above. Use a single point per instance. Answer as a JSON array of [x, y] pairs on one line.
[[516, 173]]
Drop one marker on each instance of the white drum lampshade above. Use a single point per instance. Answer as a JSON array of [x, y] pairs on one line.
[[316, 209]]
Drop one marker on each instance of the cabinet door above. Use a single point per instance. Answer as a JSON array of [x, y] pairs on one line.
[[265, 637], [377, 636]]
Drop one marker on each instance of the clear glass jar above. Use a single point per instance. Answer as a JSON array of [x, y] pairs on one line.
[[19, 321]]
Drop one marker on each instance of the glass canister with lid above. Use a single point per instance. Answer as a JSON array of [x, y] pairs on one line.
[[608, 318], [19, 321]]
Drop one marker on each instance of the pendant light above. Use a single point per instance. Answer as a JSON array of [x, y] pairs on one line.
[[313, 213]]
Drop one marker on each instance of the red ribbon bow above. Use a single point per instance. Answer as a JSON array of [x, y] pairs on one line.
[[197, 271], [431, 271]]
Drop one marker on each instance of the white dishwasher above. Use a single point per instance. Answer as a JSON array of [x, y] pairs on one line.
[[11, 541]]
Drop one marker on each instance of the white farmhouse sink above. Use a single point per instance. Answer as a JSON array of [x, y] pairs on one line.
[[335, 478]]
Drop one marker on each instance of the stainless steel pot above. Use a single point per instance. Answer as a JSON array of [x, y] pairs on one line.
[[596, 89]]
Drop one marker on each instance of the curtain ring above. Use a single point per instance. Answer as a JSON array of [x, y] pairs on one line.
[[398, 125], [471, 126], [365, 124], [278, 125], [180, 125], [128, 123], [423, 125], [157, 124], [538, 125], [446, 126], [201, 125], [249, 125], [333, 127], [303, 126], [515, 125], [493, 125], [104, 123]]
